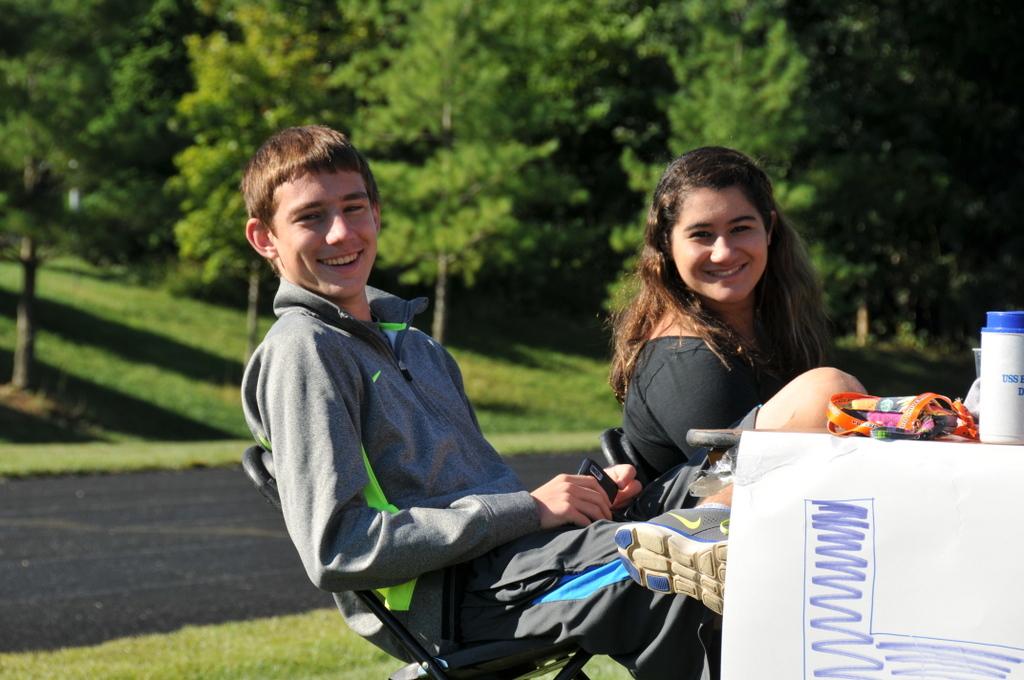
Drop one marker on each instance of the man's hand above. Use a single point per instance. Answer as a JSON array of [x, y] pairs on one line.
[[624, 476], [580, 500]]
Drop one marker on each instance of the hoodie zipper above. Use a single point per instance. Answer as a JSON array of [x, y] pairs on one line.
[[384, 345], [397, 349], [407, 315]]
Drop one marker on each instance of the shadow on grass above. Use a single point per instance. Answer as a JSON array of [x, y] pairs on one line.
[[498, 335], [82, 404], [498, 407], [113, 273], [26, 428], [132, 344], [893, 371]]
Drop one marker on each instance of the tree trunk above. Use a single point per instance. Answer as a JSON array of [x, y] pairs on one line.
[[440, 320], [863, 325], [252, 311], [25, 347]]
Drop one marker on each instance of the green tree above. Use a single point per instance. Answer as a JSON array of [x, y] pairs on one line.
[[273, 66], [128, 145], [444, 107], [488, 125], [916, 152], [47, 77], [734, 76], [86, 89], [458, 106], [578, 78]]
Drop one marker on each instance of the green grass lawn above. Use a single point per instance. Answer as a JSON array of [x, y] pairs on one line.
[[18, 460], [312, 645], [892, 370], [122, 362], [133, 377]]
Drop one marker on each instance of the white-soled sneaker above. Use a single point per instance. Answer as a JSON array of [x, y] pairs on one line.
[[680, 551]]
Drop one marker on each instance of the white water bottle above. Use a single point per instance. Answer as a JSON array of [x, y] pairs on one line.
[[1002, 379]]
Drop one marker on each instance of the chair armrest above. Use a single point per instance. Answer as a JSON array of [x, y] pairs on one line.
[[617, 450], [255, 464]]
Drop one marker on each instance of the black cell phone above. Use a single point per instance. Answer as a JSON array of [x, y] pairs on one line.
[[589, 467]]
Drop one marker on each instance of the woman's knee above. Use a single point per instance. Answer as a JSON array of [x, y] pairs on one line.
[[818, 384], [802, 402], [828, 379]]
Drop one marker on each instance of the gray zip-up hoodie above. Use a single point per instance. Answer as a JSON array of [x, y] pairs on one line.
[[321, 385]]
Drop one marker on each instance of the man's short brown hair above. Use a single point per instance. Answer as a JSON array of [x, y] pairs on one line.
[[292, 153]]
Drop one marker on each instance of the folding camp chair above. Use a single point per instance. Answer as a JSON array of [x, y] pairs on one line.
[[502, 660], [716, 442], [617, 449]]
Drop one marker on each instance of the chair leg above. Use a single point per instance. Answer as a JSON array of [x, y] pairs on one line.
[[574, 669], [425, 660]]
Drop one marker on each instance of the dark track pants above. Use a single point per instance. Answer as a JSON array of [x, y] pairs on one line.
[[569, 584]]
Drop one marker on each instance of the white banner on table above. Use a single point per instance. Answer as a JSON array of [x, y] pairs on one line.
[[857, 558]]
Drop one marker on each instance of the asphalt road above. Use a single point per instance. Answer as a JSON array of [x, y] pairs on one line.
[[85, 559]]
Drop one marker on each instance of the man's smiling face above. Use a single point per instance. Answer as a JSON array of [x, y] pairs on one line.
[[324, 237]]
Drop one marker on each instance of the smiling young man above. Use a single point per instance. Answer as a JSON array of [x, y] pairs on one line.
[[386, 481], [320, 229]]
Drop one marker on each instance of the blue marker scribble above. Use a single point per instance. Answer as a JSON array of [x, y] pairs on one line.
[[836, 602], [839, 640], [920, 659]]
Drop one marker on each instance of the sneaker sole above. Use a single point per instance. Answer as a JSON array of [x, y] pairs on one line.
[[667, 562]]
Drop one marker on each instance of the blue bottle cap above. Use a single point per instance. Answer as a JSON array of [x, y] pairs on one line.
[[1004, 322]]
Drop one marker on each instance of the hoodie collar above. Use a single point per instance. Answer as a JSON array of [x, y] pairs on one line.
[[384, 306]]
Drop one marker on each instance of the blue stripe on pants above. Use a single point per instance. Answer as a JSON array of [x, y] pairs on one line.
[[582, 585]]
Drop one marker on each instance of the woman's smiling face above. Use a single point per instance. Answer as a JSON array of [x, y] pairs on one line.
[[720, 248]]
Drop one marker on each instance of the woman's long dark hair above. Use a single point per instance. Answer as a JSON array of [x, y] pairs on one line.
[[792, 333]]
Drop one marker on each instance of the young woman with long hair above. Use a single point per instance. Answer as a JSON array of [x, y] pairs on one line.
[[726, 325]]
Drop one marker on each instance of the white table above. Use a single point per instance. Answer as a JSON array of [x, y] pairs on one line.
[[857, 558]]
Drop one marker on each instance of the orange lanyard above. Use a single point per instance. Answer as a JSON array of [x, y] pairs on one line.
[[849, 413]]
